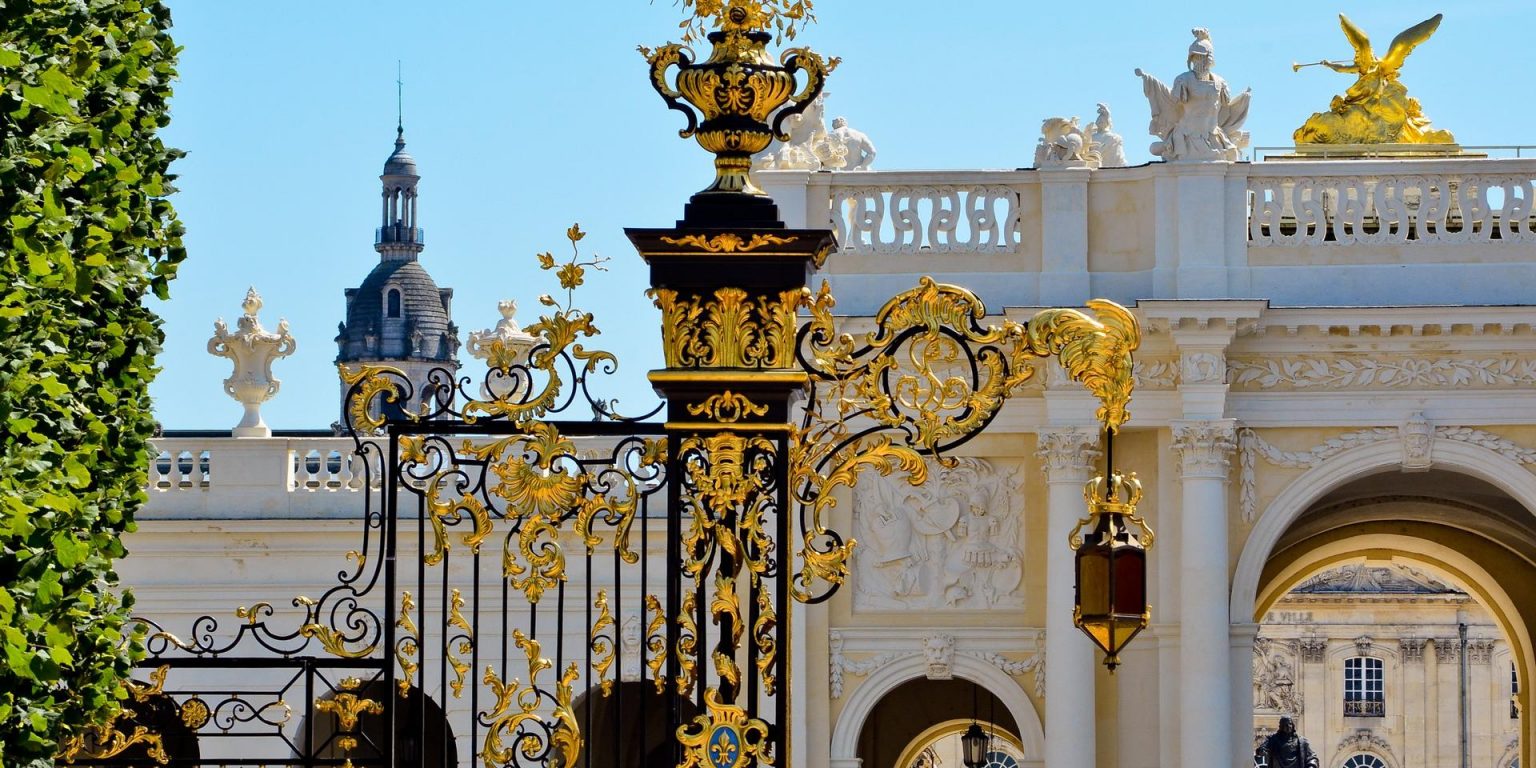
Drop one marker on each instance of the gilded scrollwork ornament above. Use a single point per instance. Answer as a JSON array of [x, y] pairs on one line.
[[515, 713], [724, 737]]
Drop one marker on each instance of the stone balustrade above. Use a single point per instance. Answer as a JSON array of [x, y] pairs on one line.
[[1379, 202], [224, 477], [1295, 231]]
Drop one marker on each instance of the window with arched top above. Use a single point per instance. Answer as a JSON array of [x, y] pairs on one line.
[[1363, 694], [1363, 760], [392, 303]]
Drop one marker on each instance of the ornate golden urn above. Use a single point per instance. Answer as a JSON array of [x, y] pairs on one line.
[[737, 89]]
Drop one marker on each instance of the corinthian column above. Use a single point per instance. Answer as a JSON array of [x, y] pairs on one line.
[[1070, 457], [1204, 449]]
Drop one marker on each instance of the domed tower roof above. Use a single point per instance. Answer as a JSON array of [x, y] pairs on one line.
[[398, 315], [400, 162], [400, 306]]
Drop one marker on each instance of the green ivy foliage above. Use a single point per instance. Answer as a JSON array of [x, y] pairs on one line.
[[85, 233]]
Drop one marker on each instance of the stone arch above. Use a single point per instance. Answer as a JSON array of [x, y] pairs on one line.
[[845, 733], [1253, 592], [1452, 455]]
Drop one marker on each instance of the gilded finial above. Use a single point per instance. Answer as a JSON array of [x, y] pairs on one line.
[[736, 100], [784, 17]]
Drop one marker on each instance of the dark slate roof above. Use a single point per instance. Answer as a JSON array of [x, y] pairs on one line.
[[421, 301], [400, 162]]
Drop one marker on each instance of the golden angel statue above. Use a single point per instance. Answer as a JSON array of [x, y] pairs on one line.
[[1377, 108], [1198, 118]]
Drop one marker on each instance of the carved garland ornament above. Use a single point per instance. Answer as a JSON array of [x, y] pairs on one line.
[[1251, 446], [1388, 373]]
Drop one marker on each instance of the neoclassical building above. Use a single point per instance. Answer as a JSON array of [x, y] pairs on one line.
[[1335, 385], [1373, 661]]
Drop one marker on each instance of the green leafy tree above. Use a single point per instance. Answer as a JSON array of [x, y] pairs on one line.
[[85, 233]]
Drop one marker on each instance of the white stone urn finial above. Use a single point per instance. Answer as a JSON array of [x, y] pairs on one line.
[[252, 349], [503, 348]]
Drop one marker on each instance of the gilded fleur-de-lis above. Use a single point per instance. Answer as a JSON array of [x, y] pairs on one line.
[[348, 707], [723, 750]]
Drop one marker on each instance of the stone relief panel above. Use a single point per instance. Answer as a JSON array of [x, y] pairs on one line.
[[1274, 678], [956, 543]]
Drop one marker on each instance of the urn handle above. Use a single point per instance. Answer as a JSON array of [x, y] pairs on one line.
[[661, 60], [816, 70]]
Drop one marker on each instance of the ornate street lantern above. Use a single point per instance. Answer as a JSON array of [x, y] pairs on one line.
[[1111, 605], [973, 743]]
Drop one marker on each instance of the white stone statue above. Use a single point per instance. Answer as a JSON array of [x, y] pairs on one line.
[[1109, 145], [252, 349], [810, 146], [1064, 145], [503, 347], [1197, 119], [858, 150]]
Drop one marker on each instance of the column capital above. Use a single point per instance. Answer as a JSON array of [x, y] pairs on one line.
[[1068, 454], [1205, 447]]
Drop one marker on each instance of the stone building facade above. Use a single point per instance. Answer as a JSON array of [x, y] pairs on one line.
[[1367, 659]]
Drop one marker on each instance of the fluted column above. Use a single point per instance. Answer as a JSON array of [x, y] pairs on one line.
[[1204, 449], [1069, 456]]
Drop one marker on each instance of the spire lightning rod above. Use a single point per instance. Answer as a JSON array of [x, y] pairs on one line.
[[399, 98]]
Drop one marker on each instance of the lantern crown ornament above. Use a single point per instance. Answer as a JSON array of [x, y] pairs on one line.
[[729, 97], [1111, 606]]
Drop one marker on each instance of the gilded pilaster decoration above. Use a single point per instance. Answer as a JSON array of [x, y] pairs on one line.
[[728, 328], [1068, 455], [1205, 447]]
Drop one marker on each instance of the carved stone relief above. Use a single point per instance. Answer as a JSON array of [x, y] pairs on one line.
[[629, 649], [1365, 740], [938, 652], [957, 542], [1313, 650], [1274, 678], [1203, 368], [1411, 648], [1479, 651]]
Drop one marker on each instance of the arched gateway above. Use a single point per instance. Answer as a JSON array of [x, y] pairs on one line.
[[1339, 511]]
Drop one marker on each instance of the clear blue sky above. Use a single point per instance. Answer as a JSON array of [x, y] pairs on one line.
[[525, 117]]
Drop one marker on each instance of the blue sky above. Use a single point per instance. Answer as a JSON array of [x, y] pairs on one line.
[[524, 118]]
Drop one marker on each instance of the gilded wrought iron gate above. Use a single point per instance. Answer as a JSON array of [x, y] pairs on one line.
[[537, 588]]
